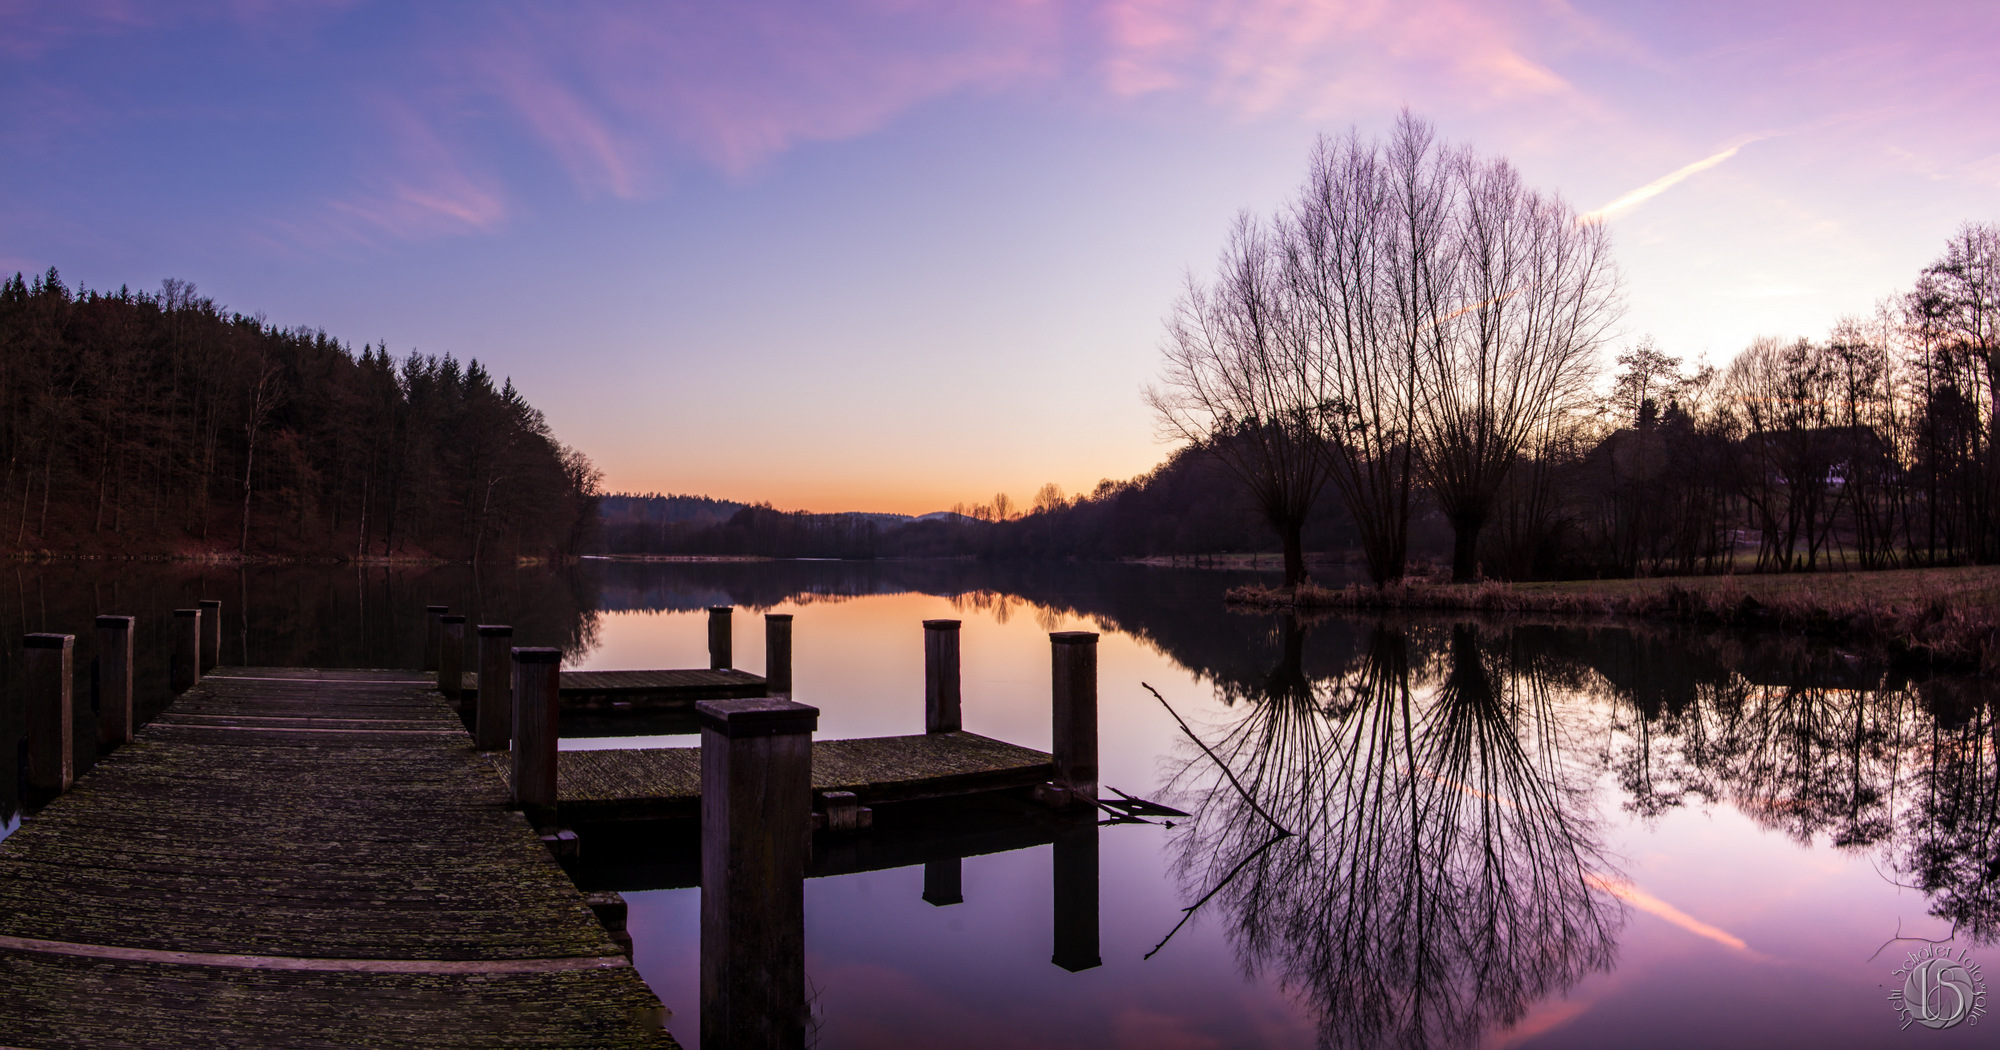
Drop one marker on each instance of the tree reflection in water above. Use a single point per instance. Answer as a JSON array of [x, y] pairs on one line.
[[1444, 873]]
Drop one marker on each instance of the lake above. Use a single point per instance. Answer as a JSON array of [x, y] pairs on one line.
[[1504, 832]]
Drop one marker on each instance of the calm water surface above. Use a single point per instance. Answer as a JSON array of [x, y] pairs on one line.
[[1506, 833]]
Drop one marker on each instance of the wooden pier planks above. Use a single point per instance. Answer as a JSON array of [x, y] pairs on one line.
[[669, 688], [296, 857], [665, 782]]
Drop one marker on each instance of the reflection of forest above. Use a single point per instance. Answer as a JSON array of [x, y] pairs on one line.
[[1445, 874]]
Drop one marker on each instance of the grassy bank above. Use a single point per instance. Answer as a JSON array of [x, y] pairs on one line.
[[1947, 617]]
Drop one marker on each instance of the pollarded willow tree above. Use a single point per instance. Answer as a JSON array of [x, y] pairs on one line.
[[1239, 381], [1536, 295], [1414, 313]]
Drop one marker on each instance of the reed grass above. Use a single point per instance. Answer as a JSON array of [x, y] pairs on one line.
[[1941, 617]]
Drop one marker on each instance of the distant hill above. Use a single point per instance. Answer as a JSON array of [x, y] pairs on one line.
[[1186, 505]]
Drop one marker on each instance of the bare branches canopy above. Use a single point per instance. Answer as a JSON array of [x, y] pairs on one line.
[[1415, 313]]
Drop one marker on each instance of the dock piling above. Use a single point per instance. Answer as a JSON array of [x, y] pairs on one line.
[[185, 672], [451, 658], [114, 679], [1074, 743], [756, 803], [719, 657], [535, 690], [778, 654], [211, 633], [942, 709], [493, 720], [51, 753], [433, 634]]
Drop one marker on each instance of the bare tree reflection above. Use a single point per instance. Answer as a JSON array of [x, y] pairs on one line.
[[1951, 840], [1444, 874]]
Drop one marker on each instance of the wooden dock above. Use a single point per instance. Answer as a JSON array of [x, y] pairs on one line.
[[664, 783], [668, 689], [302, 857]]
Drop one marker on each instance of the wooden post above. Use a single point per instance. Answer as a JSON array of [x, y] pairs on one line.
[[211, 633], [944, 882], [1075, 704], [756, 804], [493, 724], [433, 634], [718, 637], [941, 695], [451, 658], [535, 685], [777, 654], [1076, 898], [51, 751], [186, 670], [114, 680]]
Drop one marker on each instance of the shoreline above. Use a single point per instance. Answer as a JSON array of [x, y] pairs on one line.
[[1944, 618]]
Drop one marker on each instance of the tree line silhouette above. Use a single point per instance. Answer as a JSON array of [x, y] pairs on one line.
[[1873, 447], [136, 423]]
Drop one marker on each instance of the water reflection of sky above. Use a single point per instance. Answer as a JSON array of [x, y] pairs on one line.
[[1729, 930]]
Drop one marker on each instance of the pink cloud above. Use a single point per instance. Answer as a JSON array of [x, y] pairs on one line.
[[426, 190], [613, 90]]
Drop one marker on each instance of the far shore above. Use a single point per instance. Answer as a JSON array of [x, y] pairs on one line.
[[1947, 617]]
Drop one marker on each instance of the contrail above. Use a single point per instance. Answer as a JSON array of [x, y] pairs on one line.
[[1662, 184]]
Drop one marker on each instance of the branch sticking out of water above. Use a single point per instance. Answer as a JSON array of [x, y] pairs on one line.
[[1947, 939], [1283, 832]]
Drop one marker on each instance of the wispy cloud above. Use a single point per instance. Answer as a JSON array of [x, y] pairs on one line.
[[1664, 183], [423, 189], [614, 89]]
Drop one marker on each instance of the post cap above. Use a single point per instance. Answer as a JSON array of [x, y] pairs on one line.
[[116, 622], [1073, 637], [495, 630], [451, 618], [941, 625], [438, 609], [779, 617], [187, 612], [764, 716], [50, 641], [535, 654], [721, 610], [210, 603]]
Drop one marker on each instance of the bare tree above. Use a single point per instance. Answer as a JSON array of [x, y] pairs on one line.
[[1368, 266], [1649, 375], [1537, 293], [1957, 305], [1239, 381], [264, 399]]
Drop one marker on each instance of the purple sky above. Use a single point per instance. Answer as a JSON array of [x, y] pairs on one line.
[[890, 255]]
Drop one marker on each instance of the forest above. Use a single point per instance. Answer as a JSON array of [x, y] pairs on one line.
[[163, 425]]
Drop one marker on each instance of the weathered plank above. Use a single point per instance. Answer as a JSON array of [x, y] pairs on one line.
[[298, 857], [675, 688], [664, 783]]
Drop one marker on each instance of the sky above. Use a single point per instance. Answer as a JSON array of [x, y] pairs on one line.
[[892, 255]]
